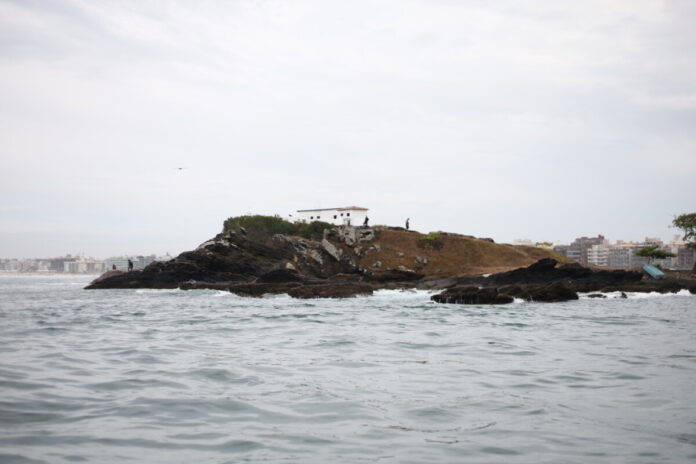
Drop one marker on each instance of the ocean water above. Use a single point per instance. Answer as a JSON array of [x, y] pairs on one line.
[[169, 376]]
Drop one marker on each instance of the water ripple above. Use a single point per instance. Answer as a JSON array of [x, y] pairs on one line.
[[207, 376]]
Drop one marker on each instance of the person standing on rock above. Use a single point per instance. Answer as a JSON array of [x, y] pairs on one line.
[[130, 265], [407, 220], [367, 219]]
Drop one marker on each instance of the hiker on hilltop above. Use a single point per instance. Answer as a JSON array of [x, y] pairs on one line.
[[407, 220], [130, 265], [367, 219]]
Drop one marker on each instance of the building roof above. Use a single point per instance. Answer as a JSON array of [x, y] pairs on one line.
[[345, 208]]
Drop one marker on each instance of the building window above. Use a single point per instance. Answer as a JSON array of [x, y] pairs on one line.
[[311, 217], [335, 216], [318, 217], [347, 214], [341, 214]]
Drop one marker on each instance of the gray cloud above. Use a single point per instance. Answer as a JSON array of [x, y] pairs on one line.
[[543, 119]]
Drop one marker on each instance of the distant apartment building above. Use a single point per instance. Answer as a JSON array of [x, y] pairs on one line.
[[139, 261], [578, 250], [598, 255], [599, 252], [685, 259], [84, 266], [624, 255], [76, 264]]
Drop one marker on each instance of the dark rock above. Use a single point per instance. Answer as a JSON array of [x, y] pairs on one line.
[[647, 286], [436, 284], [332, 290], [194, 285], [280, 275], [260, 289], [108, 274], [347, 277], [393, 275], [573, 276], [234, 258], [596, 295], [554, 292], [472, 295], [487, 239]]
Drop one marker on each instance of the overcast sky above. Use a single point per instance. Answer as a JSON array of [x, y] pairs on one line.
[[545, 120]]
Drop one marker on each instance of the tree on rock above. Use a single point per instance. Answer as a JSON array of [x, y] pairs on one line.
[[687, 223], [654, 252]]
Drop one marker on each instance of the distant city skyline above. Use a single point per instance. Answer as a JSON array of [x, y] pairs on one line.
[[540, 119]]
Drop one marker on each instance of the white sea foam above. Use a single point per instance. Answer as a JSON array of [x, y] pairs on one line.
[[158, 290], [410, 292], [635, 295]]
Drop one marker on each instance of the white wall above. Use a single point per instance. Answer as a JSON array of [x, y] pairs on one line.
[[356, 217]]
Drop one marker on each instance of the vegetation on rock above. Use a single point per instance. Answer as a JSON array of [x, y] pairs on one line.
[[432, 240], [261, 228]]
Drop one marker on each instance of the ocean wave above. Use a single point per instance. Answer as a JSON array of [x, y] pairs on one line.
[[634, 295], [158, 290]]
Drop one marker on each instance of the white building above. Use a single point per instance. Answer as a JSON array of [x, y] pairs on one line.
[[349, 215], [598, 254]]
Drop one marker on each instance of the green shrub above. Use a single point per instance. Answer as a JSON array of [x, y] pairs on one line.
[[312, 230], [433, 241], [261, 228]]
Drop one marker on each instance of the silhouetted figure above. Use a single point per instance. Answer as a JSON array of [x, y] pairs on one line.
[[113, 267], [130, 265], [407, 221], [367, 219]]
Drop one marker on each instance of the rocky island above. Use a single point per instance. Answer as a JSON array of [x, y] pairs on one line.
[[257, 255]]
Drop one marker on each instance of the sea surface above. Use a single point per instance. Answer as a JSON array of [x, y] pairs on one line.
[[171, 376]]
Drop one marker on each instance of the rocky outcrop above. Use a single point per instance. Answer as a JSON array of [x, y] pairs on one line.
[[232, 257], [393, 275], [546, 281], [470, 294], [347, 261], [309, 289], [547, 293], [575, 276], [332, 290], [108, 274], [351, 235]]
